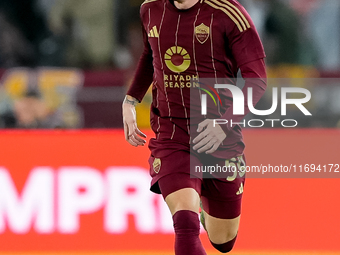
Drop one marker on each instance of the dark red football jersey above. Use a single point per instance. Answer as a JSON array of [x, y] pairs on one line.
[[212, 39]]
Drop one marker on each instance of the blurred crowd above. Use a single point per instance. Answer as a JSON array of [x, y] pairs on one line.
[[303, 32], [105, 33], [301, 39], [77, 33]]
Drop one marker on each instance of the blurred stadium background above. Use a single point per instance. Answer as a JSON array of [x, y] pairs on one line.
[[69, 184]]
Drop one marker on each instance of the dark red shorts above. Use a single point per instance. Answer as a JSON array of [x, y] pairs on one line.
[[221, 197], [172, 157]]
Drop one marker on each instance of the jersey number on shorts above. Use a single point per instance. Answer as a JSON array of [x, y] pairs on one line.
[[236, 166]]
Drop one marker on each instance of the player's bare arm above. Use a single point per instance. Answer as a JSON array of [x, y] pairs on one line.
[[132, 134], [210, 138]]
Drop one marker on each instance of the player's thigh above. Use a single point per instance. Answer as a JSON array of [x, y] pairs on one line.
[[183, 199], [181, 192], [179, 189], [221, 200], [221, 230]]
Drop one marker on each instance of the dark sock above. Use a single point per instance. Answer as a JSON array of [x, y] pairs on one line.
[[187, 229], [225, 247]]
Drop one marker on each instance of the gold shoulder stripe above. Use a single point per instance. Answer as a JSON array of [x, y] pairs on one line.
[[226, 12], [232, 11], [239, 12], [148, 1]]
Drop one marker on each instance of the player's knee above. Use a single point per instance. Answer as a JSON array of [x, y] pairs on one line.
[[224, 247], [186, 199], [222, 236]]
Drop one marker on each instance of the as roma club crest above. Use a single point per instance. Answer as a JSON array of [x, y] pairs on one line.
[[156, 165], [202, 33]]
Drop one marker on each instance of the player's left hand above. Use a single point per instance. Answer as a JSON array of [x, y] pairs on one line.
[[210, 137]]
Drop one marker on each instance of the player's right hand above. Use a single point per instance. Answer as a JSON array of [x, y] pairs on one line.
[[132, 134]]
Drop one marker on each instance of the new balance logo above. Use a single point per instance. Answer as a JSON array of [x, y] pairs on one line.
[[240, 190], [153, 32]]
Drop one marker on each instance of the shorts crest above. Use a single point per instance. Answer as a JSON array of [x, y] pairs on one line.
[[156, 165]]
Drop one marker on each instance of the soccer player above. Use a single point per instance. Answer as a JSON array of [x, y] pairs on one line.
[[186, 41]]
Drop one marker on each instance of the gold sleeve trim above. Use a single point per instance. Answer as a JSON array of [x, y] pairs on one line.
[[226, 12], [148, 1]]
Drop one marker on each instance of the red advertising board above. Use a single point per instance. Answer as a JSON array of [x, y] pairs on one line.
[[88, 191]]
